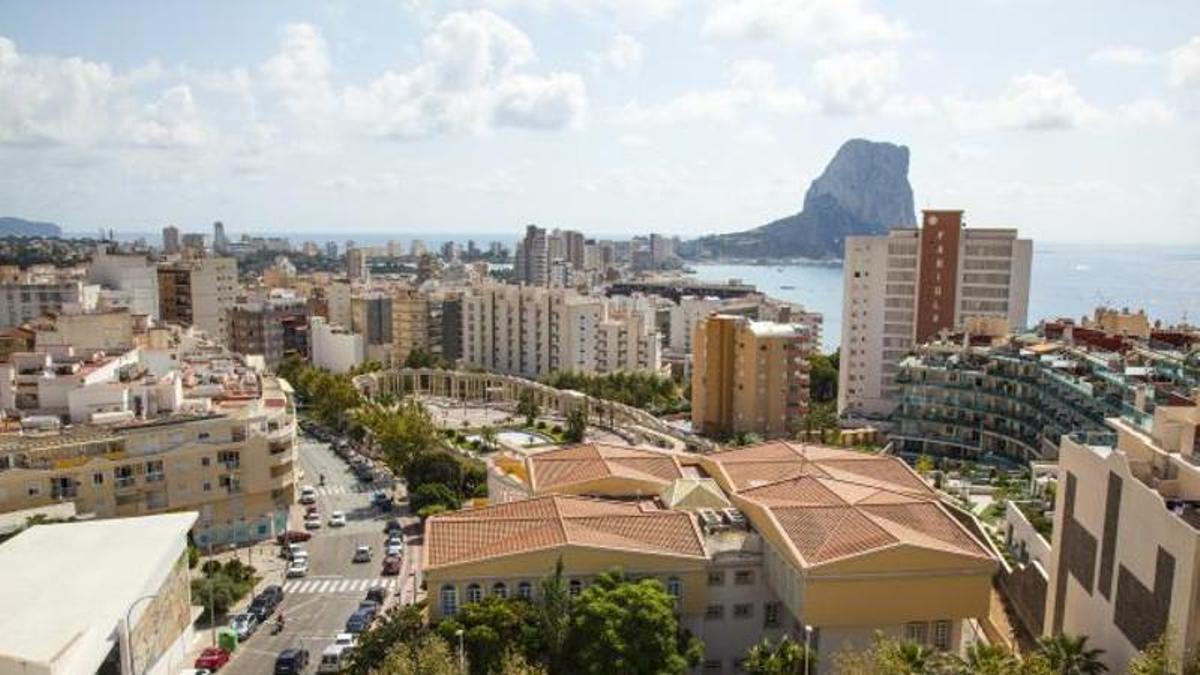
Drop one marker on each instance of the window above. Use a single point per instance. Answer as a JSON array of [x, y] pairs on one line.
[[204, 461], [674, 587], [474, 593], [500, 590], [98, 478], [771, 614], [941, 635], [714, 612], [525, 590], [743, 610], [743, 577], [449, 600], [917, 631], [575, 587]]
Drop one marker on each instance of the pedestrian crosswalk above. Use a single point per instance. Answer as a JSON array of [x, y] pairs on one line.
[[330, 490], [339, 585]]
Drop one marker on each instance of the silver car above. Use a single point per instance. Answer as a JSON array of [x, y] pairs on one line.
[[244, 625]]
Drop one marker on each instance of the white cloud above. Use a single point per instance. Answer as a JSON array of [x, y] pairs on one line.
[[1032, 101], [51, 100], [1123, 55], [170, 121], [856, 82], [1183, 64], [752, 84], [468, 82], [300, 72], [633, 12], [815, 22], [1145, 112], [624, 54]]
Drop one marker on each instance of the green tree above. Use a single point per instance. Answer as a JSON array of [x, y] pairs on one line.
[[577, 422], [431, 494], [420, 357], [527, 405], [1157, 659], [492, 629], [1069, 655], [623, 626], [436, 466], [923, 465], [823, 377], [554, 618], [400, 433], [487, 434], [397, 630], [786, 657], [425, 655]]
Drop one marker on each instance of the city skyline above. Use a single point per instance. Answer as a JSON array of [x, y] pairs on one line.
[[427, 116]]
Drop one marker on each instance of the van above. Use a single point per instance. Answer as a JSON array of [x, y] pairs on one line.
[[332, 659]]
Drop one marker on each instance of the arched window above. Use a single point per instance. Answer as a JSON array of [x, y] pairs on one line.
[[674, 587], [525, 590], [449, 600], [575, 587], [474, 593], [500, 590]]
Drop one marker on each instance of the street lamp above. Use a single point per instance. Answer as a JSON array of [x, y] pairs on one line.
[[129, 631], [807, 647], [462, 659]]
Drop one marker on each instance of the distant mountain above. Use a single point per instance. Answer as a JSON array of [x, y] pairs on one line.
[[863, 190], [19, 227]]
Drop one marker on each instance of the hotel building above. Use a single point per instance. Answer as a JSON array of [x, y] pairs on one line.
[[903, 288]]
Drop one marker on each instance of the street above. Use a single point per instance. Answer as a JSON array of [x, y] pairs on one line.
[[316, 606]]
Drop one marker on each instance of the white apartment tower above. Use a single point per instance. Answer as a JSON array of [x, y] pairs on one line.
[[532, 264], [904, 287]]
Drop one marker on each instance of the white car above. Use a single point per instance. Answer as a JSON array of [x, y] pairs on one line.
[[345, 640], [308, 494], [312, 522], [362, 554], [337, 519], [298, 567], [395, 549], [195, 671]]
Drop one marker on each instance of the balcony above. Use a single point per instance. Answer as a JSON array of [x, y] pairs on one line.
[[125, 482]]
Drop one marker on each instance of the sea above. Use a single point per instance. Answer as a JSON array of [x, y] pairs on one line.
[[1067, 280]]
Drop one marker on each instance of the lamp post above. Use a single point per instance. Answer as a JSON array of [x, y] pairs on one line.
[[807, 647], [462, 659], [129, 631]]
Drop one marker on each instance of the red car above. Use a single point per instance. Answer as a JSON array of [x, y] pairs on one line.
[[391, 566], [294, 536], [212, 658], [310, 510]]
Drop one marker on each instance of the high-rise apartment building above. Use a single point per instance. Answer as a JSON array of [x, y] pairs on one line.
[[273, 328], [333, 347], [356, 264], [371, 317], [220, 241], [749, 376], [33, 298], [573, 248], [126, 280], [410, 322], [170, 240], [337, 298], [904, 287], [532, 266], [532, 332], [1126, 544], [199, 292], [452, 326]]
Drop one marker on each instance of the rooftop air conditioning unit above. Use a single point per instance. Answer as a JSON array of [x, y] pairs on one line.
[[710, 520], [734, 517]]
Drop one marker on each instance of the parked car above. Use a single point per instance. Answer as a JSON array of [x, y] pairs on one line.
[[212, 658], [312, 522], [293, 536], [308, 495], [264, 603], [337, 519], [362, 554], [395, 538], [395, 550], [195, 671], [393, 525], [371, 605], [391, 566], [291, 551], [359, 621], [332, 659], [345, 640], [378, 594], [311, 509], [244, 625], [291, 661], [298, 567]]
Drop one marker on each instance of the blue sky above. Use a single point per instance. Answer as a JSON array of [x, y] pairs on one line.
[[1072, 120]]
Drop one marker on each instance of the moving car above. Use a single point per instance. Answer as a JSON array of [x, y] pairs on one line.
[[362, 554], [212, 658], [391, 566], [244, 625], [337, 519], [298, 567], [291, 661], [308, 495]]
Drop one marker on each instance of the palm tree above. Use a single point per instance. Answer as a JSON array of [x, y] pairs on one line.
[[788, 657], [984, 659], [1069, 655]]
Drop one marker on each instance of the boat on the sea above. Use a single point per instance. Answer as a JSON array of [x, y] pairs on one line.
[[785, 287]]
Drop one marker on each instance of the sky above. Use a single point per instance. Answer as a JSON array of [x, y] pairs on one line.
[[1072, 120]]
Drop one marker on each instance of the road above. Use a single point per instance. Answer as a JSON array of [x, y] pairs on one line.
[[318, 605]]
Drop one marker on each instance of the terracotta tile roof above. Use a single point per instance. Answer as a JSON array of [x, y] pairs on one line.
[[833, 504], [558, 520], [557, 469]]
